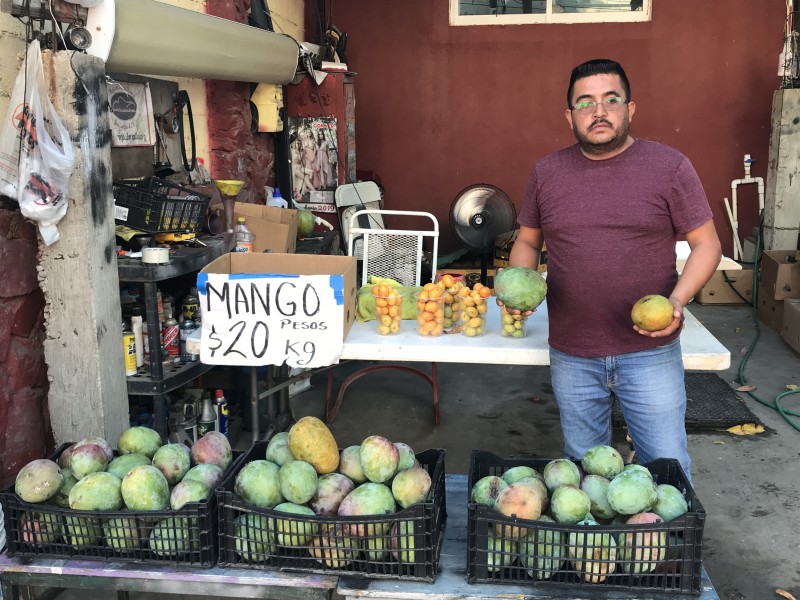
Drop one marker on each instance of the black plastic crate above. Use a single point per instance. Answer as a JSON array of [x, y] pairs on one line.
[[666, 557], [262, 537], [158, 206], [184, 537]]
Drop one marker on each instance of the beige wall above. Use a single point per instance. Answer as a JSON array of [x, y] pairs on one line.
[[287, 17]]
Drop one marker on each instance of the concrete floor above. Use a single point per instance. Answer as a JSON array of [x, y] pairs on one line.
[[748, 485]]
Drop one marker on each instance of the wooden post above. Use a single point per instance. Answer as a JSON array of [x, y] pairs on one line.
[[78, 274], [65, 12]]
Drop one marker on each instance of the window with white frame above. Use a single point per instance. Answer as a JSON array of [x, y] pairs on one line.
[[522, 12]]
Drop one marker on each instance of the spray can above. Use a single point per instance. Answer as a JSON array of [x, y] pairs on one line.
[[129, 350], [186, 329], [208, 418], [172, 341], [190, 306], [221, 405]]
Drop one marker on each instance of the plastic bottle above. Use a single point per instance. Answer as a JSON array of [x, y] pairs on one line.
[[277, 199], [128, 350], [244, 237], [136, 326]]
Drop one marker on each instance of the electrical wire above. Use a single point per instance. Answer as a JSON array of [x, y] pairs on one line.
[[776, 404]]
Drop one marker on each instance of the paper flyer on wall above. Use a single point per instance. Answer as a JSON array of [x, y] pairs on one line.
[[315, 161], [131, 114]]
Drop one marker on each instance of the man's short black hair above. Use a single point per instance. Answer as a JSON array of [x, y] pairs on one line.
[[598, 66]]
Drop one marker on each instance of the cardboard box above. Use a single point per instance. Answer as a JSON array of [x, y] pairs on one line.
[[770, 310], [791, 323], [718, 291], [275, 228], [295, 264], [780, 277]]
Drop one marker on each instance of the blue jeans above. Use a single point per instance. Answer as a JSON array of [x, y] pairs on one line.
[[650, 388]]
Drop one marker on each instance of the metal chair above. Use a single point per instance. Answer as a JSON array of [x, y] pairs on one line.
[[396, 254], [353, 197]]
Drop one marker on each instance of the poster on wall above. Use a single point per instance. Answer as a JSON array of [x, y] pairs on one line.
[[131, 114], [315, 161]]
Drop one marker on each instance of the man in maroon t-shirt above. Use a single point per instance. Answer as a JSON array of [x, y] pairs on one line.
[[610, 209]]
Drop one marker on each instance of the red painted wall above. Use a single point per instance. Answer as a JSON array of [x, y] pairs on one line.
[[441, 107]]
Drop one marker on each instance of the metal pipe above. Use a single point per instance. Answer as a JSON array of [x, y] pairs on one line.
[[254, 402]]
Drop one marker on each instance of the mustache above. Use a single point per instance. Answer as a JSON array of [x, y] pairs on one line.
[[598, 122]]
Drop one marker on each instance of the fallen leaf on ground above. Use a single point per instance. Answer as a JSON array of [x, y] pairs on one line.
[[785, 594], [792, 386], [746, 388], [720, 443], [746, 429]]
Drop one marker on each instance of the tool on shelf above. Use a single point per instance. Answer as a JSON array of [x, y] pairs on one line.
[[228, 188]]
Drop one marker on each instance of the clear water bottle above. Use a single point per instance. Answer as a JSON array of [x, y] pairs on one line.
[[244, 237]]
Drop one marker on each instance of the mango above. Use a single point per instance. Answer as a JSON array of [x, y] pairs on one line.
[[517, 500], [258, 483], [63, 458], [520, 288], [38, 481], [40, 528], [642, 551], [379, 458], [255, 540], [559, 472], [368, 499], [298, 481], [596, 487], [411, 486], [402, 543], [569, 504], [295, 531], [486, 490], [124, 463], [86, 459], [145, 488], [139, 440], [376, 548], [406, 456], [174, 536], [542, 551], [514, 474], [332, 488], [310, 440], [67, 483], [97, 441], [82, 531], [652, 312], [641, 469], [208, 475], [278, 449], [632, 492], [670, 503], [173, 460], [186, 492], [350, 464], [121, 533], [593, 555], [604, 461], [333, 547], [501, 552], [538, 486], [96, 491], [214, 449]]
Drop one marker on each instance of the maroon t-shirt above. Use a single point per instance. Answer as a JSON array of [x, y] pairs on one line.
[[610, 227]]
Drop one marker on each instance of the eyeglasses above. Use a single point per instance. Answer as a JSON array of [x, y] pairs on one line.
[[611, 104]]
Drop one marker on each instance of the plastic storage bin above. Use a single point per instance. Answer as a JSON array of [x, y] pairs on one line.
[[666, 557], [158, 206], [259, 538]]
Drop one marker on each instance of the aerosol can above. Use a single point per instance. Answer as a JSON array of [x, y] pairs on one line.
[[221, 406], [208, 417]]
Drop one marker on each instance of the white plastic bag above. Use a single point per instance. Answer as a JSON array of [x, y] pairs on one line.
[[36, 152]]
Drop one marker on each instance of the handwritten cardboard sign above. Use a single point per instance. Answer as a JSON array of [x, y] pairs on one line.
[[259, 319]]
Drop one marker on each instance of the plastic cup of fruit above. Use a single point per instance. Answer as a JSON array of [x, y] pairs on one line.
[[430, 314], [511, 325], [452, 308], [473, 315], [389, 312]]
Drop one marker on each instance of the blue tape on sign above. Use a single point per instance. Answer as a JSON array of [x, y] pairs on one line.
[[337, 283], [202, 279], [263, 275]]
